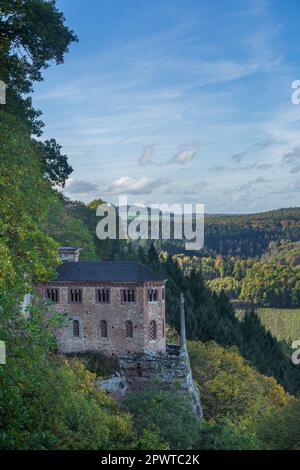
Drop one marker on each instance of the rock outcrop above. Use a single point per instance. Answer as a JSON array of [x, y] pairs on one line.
[[166, 370]]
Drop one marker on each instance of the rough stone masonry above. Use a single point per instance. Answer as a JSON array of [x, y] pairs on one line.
[[138, 371]]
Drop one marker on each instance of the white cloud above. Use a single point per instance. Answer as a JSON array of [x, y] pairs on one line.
[[190, 190], [147, 156], [246, 186], [264, 166], [296, 169], [291, 157], [257, 147], [252, 166], [185, 154], [129, 185], [81, 187]]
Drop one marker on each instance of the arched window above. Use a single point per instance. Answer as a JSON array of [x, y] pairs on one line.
[[129, 329], [152, 330], [76, 329], [103, 329]]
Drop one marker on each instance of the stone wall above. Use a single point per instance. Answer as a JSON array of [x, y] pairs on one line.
[[140, 371], [89, 313]]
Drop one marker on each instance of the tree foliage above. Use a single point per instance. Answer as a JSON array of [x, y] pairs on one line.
[[48, 401], [32, 34], [166, 413], [55, 165], [281, 428], [231, 388], [30, 254], [272, 285]]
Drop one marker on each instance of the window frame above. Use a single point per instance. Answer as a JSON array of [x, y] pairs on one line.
[[123, 300], [71, 328], [77, 324], [152, 292], [70, 301], [103, 323], [108, 292], [152, 327], [57, 292], [129, 323]]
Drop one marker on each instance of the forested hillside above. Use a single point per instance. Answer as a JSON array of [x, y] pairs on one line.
[[249, 236], [245, 236]]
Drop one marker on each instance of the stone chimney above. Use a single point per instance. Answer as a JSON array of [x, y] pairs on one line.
[[69, 253]]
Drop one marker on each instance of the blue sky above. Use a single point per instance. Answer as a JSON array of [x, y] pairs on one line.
[[179, 101]]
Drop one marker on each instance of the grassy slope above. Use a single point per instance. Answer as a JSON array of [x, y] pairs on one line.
[[282, 323]]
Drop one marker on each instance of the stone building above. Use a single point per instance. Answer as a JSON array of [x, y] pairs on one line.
[[114, 307]]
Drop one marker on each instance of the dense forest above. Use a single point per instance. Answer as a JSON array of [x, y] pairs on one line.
[[248, 384], [249, 236], [241, 235], [270, 281]]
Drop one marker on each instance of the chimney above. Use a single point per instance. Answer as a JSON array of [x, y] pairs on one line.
[[69, 253]]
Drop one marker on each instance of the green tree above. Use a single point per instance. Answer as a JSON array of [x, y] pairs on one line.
[[227, 284], [270, 285], [224, 435], [55, 165], [49, 402], [32, 34], [66, 229], [230, 388], [25, 195], [281, 428], [166, 413]]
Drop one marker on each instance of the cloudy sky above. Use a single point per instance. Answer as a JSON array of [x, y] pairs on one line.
[[179, 101]]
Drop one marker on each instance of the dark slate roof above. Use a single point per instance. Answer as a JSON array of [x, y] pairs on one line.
[[105, 271]]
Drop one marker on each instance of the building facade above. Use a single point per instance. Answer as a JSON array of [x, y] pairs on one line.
[[113, 307]]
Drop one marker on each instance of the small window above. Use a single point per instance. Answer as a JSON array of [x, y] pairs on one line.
[[76, 329], [129, 329], [163, 328], [152, 295], [163, 294], [75, 296], [152, 330], [128, 295], [53, 295], [103, 329], [102, 296]]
